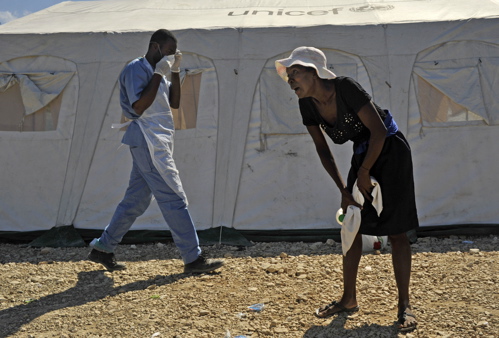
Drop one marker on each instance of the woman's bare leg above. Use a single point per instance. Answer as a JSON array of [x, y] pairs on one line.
[[401, 259], [348, 301], [350, 268]]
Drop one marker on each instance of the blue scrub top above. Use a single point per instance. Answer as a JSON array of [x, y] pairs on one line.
[[133, 79]]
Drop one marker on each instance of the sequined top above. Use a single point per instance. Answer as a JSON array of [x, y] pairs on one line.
[[350, 98]]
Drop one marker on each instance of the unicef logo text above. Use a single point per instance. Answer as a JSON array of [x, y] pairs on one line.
[[317, 12], [283, 12]]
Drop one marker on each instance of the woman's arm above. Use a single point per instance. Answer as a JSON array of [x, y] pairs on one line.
[[329, 164], [371, 119]]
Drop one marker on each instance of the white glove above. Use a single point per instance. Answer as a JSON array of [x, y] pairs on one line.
[[163, 67], [175, 67]]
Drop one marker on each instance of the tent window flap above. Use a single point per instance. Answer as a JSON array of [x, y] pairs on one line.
[[437, 109], [450, 96], [14, 119], [185, 117]]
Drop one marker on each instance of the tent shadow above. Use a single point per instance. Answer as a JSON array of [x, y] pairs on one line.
[[336, 328], [94, 284]]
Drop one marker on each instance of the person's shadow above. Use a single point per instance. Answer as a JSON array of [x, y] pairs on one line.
[[94, 285], [336, 328]]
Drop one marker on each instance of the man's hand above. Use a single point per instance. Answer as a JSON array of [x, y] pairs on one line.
[[163, 67], [175, 68]]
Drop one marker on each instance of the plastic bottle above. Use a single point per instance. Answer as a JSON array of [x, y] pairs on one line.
[[256, 307], [372, 243], [340, 216]]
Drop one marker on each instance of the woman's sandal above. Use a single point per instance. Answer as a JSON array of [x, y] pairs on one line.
[[327, 310], [402, 319]]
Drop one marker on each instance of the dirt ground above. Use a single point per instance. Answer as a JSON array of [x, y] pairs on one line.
[[56, 292]]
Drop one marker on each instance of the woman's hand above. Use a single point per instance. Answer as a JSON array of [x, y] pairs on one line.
[[364, 183], [347, 199]]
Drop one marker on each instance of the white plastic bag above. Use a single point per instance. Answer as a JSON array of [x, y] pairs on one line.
[[369, 243]]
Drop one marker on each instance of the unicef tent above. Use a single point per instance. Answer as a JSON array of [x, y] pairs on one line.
[[246, 161]]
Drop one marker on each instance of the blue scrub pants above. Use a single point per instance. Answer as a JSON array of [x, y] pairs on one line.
[[146, 181]]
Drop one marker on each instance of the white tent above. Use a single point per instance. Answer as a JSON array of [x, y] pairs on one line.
[[244, 157]]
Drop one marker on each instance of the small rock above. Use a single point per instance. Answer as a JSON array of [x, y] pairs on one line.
[[45, 251], [272, 268], [265, 266], [315, 246], [331, 242], [301, 298]]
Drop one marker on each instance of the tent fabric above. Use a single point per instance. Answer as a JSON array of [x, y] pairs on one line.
[[248, 163]]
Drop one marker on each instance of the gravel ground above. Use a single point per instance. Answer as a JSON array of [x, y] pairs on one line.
[[55, 292]]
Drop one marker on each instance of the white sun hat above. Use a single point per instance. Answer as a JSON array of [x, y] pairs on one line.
[[308, 57]]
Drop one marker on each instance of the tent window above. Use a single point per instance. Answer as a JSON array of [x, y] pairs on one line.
[[185, 117], [456, 84], [13, 113], [437, 108]]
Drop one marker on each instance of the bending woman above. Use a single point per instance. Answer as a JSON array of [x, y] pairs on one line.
[[341, 108]]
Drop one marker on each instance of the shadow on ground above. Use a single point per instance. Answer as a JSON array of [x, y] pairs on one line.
[[95, 284], [336, 328]]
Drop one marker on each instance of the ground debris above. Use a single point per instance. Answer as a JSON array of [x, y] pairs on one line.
[[453, 291]]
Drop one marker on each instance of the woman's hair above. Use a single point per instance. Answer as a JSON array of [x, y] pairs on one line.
[[162, 36]]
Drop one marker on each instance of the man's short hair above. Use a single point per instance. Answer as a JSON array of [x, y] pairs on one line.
[[162, 35]]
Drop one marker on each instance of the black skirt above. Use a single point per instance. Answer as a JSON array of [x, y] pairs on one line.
[[393, 170]]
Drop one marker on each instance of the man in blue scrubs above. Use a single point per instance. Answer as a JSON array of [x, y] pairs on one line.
[[146, 97]]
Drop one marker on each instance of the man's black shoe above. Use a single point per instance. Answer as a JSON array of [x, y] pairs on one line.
[[202, 264], [105, 258]]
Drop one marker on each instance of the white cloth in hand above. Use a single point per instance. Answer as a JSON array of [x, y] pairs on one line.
[[351, 223]]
